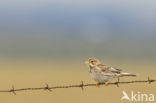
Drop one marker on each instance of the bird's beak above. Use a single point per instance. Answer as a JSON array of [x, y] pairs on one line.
[[87, 62]]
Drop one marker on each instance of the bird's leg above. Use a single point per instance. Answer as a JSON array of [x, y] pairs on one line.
[[98, 84], [106, 83], [118, 79]]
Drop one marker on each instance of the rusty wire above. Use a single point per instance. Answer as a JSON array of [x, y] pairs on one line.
[[81, 85]]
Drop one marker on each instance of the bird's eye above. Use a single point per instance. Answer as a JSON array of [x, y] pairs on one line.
[[92, 61]]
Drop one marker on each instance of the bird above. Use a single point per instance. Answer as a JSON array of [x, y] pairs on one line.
[[103, 73]]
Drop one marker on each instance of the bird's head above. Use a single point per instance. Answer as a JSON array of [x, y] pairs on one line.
[[92, 62]]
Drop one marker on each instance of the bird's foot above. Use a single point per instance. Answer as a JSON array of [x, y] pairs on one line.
[[106, 83], [98, 85]]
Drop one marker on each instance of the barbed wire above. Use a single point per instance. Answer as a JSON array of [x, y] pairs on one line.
[[81, 85]]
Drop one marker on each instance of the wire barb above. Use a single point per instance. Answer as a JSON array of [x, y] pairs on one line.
[[47, 88], [117, 83], [12, 90], [149, 80], [81, 85]]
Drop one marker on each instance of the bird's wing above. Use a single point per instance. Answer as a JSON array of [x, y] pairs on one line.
[[106, 68]]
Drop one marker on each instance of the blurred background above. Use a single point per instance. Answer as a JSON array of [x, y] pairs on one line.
[[47, 41]]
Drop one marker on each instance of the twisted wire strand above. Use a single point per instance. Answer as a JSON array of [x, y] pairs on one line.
[[81, 85]]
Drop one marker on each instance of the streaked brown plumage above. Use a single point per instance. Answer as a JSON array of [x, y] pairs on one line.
[[102, 73]]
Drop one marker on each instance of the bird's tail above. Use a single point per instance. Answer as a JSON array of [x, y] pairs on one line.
[[126, 74]]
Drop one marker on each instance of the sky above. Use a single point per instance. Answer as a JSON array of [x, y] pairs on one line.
[[48, 28]]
